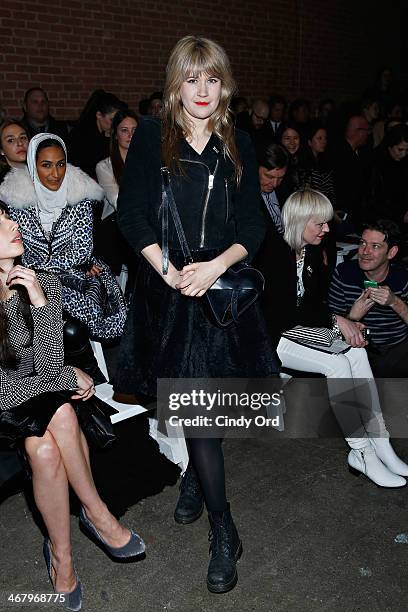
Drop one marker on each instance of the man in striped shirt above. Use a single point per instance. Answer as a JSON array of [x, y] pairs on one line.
[[381, 307]]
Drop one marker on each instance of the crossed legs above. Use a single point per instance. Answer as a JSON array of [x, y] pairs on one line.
[[58, 459]]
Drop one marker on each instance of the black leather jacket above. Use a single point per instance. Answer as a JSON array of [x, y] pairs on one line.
[[215, 213]]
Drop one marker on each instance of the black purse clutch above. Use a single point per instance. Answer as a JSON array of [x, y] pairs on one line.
[[234, 291], [94, 421]]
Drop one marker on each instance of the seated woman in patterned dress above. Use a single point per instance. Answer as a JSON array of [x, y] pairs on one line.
[[37, 393], [52, 202]]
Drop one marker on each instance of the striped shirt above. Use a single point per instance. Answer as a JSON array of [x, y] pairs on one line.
[[386, 327], [272, 204]]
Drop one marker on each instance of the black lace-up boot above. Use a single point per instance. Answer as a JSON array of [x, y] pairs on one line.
[[225, 549], [191, 501]]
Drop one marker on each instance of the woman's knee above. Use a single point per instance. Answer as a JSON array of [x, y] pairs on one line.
[[43, 451], [359, 363], [339, 367], [65, 420]]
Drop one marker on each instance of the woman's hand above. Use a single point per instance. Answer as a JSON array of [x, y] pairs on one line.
[[28, 279], [172, 278], [86, 387], [351, 332], [361, 306], [94, 271], [197, 277]]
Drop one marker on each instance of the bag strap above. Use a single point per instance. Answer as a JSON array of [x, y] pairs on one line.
[[168, 203]]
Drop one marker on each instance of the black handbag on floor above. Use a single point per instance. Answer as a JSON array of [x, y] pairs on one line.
[[234, 291]]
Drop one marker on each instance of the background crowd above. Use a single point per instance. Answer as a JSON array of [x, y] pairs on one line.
[[354, 152]]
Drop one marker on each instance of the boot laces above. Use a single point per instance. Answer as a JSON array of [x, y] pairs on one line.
[[189, 483], [219, 538]]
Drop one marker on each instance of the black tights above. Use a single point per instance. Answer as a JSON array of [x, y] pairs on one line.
[[208, 460]]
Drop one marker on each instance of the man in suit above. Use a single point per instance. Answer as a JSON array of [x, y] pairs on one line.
[[351, 173], [37, 118], [277, 106]]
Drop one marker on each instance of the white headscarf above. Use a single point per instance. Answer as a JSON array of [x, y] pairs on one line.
[[50, 204]]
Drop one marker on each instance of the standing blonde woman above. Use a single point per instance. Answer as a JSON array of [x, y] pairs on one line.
[[213, 174]]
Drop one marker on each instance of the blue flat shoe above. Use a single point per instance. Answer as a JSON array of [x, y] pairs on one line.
[[133, 548], [71, 601]]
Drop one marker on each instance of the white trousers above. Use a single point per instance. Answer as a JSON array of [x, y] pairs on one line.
[[347, 374]]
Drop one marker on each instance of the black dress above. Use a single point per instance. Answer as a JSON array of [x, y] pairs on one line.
[[168, 334]]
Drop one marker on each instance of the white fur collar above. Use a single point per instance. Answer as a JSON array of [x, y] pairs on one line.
[[17, 188]]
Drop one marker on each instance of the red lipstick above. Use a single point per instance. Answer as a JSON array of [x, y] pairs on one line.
[[202, 103]]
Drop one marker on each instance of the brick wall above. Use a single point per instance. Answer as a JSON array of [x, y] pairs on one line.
[[309, 47]]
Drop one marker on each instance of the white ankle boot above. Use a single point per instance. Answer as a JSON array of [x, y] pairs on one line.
[[388, 456], [366, 461]]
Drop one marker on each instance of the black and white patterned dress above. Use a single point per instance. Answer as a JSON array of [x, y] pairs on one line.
[[30, 393]]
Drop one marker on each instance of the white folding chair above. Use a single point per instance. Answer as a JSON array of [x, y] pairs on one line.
[[173, 445]]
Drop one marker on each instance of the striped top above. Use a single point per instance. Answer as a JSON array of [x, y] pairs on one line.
[[272, 204], [40, 360], [386, 327]]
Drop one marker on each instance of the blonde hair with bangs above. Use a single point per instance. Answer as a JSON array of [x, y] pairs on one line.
[[298, 209], [191, 57]]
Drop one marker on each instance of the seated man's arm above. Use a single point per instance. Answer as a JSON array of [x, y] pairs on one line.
[[341, 304], [385, 297], [361, 306]]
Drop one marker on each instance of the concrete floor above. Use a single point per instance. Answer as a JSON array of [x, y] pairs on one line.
[[314, 537]]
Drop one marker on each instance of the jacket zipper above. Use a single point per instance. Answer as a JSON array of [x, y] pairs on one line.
[[226, 200], [211, 178]]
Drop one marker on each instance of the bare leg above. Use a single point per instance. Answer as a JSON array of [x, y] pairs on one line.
[[74, 452], [49, 476], [85, 449]]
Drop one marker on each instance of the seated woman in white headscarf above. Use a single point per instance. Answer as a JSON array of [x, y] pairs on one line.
[[52, 202]]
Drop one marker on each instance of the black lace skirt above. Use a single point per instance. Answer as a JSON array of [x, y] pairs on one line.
[[168, 335]]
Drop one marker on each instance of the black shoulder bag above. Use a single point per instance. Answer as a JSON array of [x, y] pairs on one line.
[[234, 291]]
